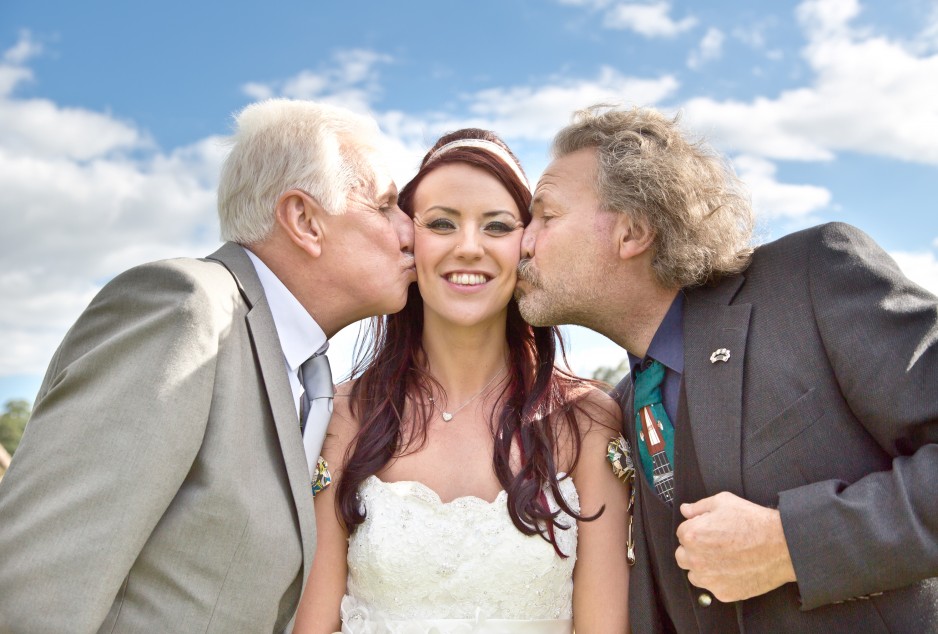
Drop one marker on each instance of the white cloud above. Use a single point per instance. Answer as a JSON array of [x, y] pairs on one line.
[[710, 48], [257, 90], [12, 76], [763, 127], [753, 34], [70, 226], [350, 80], [528, 114], [650, 20], [869, 95], [78, 209], [40, 128], [920, 267], [12, 71], [537, 112], [772, 199], [827, 18], [25, 49], [647, 19], [531, 112], [756, 35], [928, 38]]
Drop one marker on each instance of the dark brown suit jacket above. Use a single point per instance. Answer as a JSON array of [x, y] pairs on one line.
[[828, 410]]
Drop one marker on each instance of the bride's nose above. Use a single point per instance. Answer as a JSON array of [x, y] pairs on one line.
[[470, 244]]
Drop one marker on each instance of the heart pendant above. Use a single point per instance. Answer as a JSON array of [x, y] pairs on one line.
[[447, 417]]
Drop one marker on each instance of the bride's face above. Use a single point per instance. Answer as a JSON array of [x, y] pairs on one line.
[[467, 243]]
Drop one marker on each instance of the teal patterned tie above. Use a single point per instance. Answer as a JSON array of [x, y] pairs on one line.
[[655, 431]]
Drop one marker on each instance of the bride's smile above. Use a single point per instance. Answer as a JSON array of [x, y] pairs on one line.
[[466, 245]]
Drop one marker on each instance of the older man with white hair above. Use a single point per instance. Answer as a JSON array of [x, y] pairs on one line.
[[164, 480]]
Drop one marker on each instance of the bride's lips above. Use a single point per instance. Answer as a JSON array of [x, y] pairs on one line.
[[465, 281]]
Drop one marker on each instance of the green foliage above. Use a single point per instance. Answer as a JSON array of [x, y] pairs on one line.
[[13, 422], [612, 375]]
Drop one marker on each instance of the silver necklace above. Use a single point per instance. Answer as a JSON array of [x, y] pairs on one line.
[[448, 416]]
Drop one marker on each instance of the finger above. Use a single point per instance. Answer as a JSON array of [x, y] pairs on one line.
[[680, 555], [697, 508], [694, 579], [681, 532]]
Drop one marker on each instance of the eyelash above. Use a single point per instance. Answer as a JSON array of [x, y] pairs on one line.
[[495, 227], [501, 227], [441, 224]]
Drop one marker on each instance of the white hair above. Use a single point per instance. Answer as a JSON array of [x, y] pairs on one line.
[[283, 144]]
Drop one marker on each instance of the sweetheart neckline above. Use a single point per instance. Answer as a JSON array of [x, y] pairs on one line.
[[462, 498], [436, 496]]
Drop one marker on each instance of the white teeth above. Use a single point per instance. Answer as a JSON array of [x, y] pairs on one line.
[[466, 279]]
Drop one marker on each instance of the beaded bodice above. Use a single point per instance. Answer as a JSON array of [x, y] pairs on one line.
[[416, 557]]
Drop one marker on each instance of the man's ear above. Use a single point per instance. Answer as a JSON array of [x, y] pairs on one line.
[[300, 217], [633, 236]]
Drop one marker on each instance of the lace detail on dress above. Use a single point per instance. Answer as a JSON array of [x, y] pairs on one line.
[[416, 557]]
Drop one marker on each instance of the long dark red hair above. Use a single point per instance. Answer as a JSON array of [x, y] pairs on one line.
[[537, 406]]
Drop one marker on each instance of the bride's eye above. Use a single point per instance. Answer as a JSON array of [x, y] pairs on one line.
[[499, 228], [441, 225]]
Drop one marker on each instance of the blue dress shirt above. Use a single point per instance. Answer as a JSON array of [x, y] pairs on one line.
[[667, 347]]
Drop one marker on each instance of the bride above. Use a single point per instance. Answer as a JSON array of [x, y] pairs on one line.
[[471, 490]]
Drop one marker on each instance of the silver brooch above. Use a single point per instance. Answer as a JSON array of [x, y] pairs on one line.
[[720, 354]]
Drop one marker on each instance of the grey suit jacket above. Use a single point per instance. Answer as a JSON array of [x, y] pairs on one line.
[[161, 483], [828, 410]]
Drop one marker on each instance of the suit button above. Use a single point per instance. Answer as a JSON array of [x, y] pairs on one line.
[[704, 600]]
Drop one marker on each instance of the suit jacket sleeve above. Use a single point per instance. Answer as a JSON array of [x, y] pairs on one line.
[[117, 425], [880, 331]]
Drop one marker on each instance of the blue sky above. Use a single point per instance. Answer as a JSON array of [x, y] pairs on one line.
[[111, 116]]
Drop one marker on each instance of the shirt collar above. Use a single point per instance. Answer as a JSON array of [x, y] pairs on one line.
[[667, 346], [300, 336]]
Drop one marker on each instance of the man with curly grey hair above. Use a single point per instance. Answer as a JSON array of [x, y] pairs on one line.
[[163, 484], [782, 406]]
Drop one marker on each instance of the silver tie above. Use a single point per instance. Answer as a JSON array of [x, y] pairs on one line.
[[315, 406]]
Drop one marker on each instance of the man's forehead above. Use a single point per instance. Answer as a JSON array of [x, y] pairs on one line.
[[551, 184], [542, 195]]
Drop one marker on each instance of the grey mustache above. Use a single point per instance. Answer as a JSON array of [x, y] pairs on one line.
[[526, 272]]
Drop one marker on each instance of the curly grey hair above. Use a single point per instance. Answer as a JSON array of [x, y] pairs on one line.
[[685, 192]]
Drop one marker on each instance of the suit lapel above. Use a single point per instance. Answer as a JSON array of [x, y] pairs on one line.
[[714, 389], [269, 354]]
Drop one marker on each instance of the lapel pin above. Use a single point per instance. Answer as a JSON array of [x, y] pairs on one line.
[[720, 354]]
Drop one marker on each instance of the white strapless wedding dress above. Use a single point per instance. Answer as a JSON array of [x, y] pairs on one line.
[[418, 565]]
